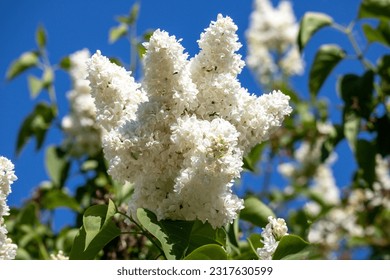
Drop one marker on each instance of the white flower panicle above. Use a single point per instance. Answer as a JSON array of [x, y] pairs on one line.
[[272, 41], [180, 135], [271, 234], [7, 177], [116, 93], [60, 256], [83, 133]]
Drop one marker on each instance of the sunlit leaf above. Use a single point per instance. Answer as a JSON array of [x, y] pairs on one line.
[[351, 129], [256, 212], [327, 57], [309, 25], [208, 252], [98, 229], [288, 245], [24, 62], [117, 32], [35, 86]]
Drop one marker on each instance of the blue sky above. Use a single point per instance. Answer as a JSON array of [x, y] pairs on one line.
[[72, 25]]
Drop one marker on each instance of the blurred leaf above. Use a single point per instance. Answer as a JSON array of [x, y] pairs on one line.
[[351, 129], [116, 61], [379, 9], [327, 57], [56, 198], [40, 37], [117, 32], [288, 245], [65, 63], [357, 93], [98, 229], [57, 165], [48, 77], [35, 125], [384, 72], [24, 62], [381, 34], [253, 157], [133, 16], [365, 156], [141, 50], [208, 252], [35, 86], [256, 212], [89, 165], [309, 25], [255, 242], [383, 135]]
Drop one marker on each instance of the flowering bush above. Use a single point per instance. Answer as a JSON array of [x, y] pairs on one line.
[[159, 155]]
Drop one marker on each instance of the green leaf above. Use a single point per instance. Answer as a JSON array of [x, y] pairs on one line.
[[381, 34], [178, 238], [56, 198], [98, 229], [327, 57], [35, 86], [25, 61], [36, 125], [117, 32], [256, 212], [384, 73], [48, 77], [309, 25], [65, 63], [288, 245], [383, 136], [357, 93], [254, 241], [208, 252], [57, 165], [365, 156], [253, 157], [149, 221], [379, 9], [202, 234], [134, 13], [40, 37], [351, 129]]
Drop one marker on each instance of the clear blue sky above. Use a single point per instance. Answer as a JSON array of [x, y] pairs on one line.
[[73, 25]]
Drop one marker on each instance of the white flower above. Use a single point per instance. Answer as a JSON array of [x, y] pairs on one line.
[[83, 134], [271, 235], [59, 256], [271, 41], [180, 135], [7, 177]]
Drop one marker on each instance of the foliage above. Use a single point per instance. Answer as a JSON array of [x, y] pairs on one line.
[[101, 225]]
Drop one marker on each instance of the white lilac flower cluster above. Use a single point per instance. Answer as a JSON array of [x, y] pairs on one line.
[[7, 177], [271, 37], [271, 235], [180, 135], [60, 256], [83, 133]]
